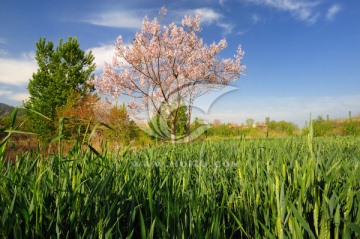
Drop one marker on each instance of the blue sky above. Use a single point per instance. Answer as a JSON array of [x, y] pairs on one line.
[[302, 56]]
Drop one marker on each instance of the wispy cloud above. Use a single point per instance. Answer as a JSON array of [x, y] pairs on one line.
[[6, 95], [332, 11], [227, 27], [3, 40], [209, 16], [222, 2], [255, 18], [133, 18], [240, 33], [119, 19], [302, 10]]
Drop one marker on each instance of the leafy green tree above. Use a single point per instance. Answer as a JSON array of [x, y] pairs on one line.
[[282, 126], [249, 122], [181, 123], [267, 120], [61, 71], [322, 127], [160, 127]]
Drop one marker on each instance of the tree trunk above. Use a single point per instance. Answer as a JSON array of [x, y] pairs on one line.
[[188, 121], [173, 135], [172, 131]]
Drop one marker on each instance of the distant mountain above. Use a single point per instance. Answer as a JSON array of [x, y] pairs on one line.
[[7, 109]]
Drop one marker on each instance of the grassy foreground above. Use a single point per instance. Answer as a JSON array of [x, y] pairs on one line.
[[265, 188]]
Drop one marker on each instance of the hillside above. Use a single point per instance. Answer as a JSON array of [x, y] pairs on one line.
[[6, 109]]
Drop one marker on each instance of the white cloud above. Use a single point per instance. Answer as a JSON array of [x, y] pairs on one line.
[[242, 32], [302, 10], [133, 18], [222, 2], [121, 19], [332, 11], [102, 54], [255, 18], [208, 15], [227, 27], [288, 5], [17, 71], [6, 95], [3, 40], [313, 18]]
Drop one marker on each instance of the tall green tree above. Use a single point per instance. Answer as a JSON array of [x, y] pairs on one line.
[[160, 128], [61, 71], [181, 121]]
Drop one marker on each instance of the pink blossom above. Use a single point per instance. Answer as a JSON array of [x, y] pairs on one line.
[[166, 65]]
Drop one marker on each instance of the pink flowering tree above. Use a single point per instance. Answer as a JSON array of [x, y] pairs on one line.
[[166, 68]]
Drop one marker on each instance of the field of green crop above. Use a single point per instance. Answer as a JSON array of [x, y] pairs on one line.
[[261, 188]]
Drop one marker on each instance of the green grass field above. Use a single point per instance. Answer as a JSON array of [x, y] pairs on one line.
[[244, 188]]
